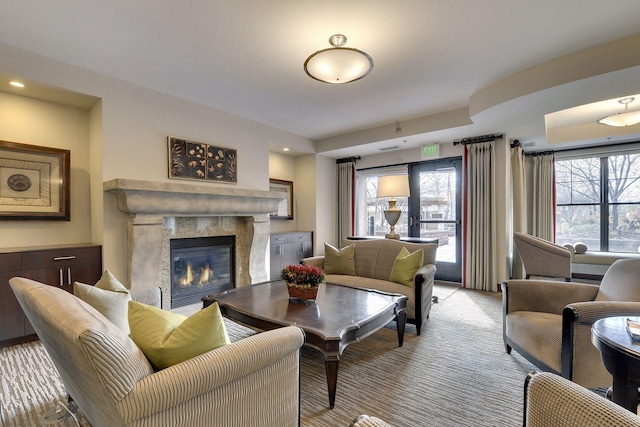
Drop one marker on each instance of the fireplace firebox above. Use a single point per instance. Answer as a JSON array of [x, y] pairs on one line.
[[201, 266]]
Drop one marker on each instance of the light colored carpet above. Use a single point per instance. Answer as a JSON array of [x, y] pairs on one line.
[[455, 374]]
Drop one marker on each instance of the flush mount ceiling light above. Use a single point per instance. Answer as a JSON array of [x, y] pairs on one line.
[[628, 118], [338, 64]]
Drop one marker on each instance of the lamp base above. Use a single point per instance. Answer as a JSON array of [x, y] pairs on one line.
[[394, 236]]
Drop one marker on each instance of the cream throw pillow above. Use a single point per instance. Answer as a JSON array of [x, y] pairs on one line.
[[168, 338], [405, 266], [109, 297], [339, 261]]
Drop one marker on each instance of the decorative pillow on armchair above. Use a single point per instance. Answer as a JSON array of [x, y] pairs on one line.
[[405, 266], [168, 338], [109, 297], [339, 261]]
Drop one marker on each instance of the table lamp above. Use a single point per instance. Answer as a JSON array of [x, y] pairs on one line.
[[392, 187]]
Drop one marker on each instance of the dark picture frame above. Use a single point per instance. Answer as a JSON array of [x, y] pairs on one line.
[[34, 182], [201, 162], [285, 207]]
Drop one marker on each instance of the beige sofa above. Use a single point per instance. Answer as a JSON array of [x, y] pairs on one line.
[[373, 262], [254, 381]]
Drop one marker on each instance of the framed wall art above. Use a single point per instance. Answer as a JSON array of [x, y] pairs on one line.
[[285, 207], [34, 182], [201, 162]]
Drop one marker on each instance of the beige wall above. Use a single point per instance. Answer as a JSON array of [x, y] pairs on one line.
[[35, 122], [124, 136], [314, 183]]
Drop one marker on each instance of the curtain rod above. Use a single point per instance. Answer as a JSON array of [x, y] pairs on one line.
[[348, 159], [478, 139], [539, 153]]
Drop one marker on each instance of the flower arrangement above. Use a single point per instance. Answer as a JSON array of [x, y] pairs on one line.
[[302, 276]]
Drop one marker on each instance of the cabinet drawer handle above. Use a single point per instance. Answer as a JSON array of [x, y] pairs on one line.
[[64, 258], [68, 275], [61, 278]]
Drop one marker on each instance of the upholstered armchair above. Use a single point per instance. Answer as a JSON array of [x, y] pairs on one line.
[[549, 323], [543, 258], [553, 401], [253, 381]]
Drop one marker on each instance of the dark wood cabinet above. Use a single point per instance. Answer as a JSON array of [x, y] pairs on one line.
[[55, 266], [288, 248]]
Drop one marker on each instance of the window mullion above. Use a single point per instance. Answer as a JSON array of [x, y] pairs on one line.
[[604, 204]]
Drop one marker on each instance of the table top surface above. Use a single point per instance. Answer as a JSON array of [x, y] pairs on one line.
[[335, 309], [612, 332]]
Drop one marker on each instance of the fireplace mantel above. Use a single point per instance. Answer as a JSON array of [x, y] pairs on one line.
[[177, 199], [153, 207]]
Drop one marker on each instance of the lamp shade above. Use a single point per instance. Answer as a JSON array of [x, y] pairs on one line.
[[393, 186]]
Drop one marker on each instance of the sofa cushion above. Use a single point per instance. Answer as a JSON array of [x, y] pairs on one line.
[[405, 266], [109, 297], [168, 338], [339, 261]]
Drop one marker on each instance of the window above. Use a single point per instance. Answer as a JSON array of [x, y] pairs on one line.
[[598, 202], [370, 220]]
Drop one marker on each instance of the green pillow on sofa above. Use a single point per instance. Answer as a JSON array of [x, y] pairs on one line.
[[168, 338], [405, 266], [339, 261], [109, 297]]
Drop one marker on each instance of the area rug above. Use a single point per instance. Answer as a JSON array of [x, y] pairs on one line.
[[455, 374]]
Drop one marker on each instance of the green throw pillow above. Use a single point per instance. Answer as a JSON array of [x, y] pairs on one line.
[[168, 338], [405, 266], [109, 297], [339, 261]]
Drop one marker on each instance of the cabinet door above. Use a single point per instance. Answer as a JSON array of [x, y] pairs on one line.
[[65, 276], [275, 263], [12, 319], [303, 247]]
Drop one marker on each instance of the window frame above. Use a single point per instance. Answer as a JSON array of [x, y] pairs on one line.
[[604, 203]]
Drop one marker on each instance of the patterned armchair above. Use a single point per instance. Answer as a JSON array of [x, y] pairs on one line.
[[543, 258], [553, 401], [549, 323]]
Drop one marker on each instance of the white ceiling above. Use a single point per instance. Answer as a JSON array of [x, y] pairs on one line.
[[432, 59]]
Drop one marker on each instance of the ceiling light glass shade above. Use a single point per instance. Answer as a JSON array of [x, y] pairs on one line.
[[629, 118], [338, 64]]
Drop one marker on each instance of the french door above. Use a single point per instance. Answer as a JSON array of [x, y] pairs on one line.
[[435, 211]]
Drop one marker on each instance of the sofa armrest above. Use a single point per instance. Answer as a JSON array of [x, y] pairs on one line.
[[590, 311], [149, 296], [544, 296], [316, 261], [266, 364], [425, 274]]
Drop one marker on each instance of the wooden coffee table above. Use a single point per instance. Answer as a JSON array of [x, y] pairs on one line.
[[340, 316]]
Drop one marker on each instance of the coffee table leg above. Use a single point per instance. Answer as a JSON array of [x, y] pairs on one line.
[[401, 321], [331, 364]]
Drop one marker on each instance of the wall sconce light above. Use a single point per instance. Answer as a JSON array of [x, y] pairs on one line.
[[393, 187]]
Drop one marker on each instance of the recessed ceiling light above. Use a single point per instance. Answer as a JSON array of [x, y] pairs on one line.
[[285, 149], [16, 84]]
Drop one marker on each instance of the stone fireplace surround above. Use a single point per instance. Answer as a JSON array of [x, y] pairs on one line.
[[160, 211]]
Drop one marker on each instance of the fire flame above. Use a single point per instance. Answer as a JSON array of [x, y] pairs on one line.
[[188, 278], [206, 274], [204, 277]]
